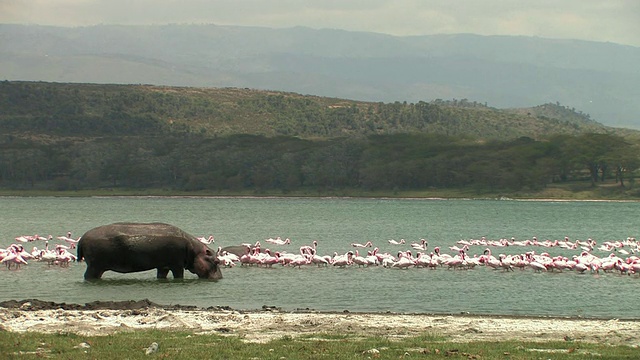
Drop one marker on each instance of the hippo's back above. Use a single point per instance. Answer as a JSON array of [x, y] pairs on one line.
[[127, 247], [135, 229]]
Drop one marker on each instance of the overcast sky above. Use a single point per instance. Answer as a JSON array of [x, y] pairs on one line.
[[600, 20]]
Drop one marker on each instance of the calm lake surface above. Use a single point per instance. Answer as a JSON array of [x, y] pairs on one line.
[[335, 224]]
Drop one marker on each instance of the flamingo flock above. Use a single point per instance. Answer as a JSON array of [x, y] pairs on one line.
[[621, 256], [587, 256], [15, 255]]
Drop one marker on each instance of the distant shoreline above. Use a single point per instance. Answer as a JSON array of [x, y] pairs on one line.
[[372, 197]]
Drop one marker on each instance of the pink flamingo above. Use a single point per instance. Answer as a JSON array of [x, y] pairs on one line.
[[208, 240], [64, 257], [269, 259], [360, 260], [422, 245], [320, 260], [250, 258], [457, 249], [372, 258], [226, 258], [279, 241], [490, 260], [393, 242], [342, 260], [49, 256], [456, 262], [536, 266], [404, 261], [306, 249], [13, 257], [299, 261], [367, 244], [423, 260]]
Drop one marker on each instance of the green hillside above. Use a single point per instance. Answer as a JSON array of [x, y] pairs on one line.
[[141, 139], [105, 110]]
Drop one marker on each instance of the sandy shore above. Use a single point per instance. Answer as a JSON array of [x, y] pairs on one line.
[[270, 323]]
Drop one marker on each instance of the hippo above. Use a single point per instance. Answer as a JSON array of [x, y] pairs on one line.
[[132, 247]]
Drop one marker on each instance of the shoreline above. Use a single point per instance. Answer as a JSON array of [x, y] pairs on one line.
[[328, 197], [104, 318], [38, 305]]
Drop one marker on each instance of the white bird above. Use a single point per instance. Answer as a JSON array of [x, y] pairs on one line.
[[422, 245], [394, 242], [208, 240], [278, 241]]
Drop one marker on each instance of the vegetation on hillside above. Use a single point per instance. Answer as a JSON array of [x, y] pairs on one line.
[[99, 110], [84, 136]]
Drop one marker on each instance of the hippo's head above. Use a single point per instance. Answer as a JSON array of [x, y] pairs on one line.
[[206, 264]]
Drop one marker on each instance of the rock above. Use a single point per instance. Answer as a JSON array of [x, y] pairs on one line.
[[152, 348]]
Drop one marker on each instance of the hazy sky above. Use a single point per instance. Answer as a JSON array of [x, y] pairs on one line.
[[600, 20]]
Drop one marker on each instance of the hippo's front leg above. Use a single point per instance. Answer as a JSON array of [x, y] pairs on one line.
[[162, 273], [93, 273], [178, 273]]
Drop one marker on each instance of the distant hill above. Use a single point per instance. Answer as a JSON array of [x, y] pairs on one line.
[[599, 79], [101, 137], [88, 110]]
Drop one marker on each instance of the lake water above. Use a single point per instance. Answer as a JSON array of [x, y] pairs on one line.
[[335, 224]]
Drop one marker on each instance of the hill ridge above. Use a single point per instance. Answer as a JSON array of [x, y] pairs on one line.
[[113, 109]]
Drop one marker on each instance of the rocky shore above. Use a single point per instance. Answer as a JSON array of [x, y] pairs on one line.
[[102, 318]]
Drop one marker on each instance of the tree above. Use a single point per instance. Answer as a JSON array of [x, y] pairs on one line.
[[595, 152]]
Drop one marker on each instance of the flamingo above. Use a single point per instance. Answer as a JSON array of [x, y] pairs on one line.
[[306, 249], [320, 260], [422, 245], [457, 249], [581, 268], [299, 261], [423, 260], [453, 262], [250, 246], [287, 258], [536, 266], [372, 258], [393, 242], [206, 241], [342, 260], [226, 258], [367, 244], [634, 267], [13, 257], [64, 257], [490, 260], [465, 242], [506, 262], [49, 256], [278, 241], [471, 263], [72, 242], [268, 259], [404, 261], [251, 258], [361, 261]]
